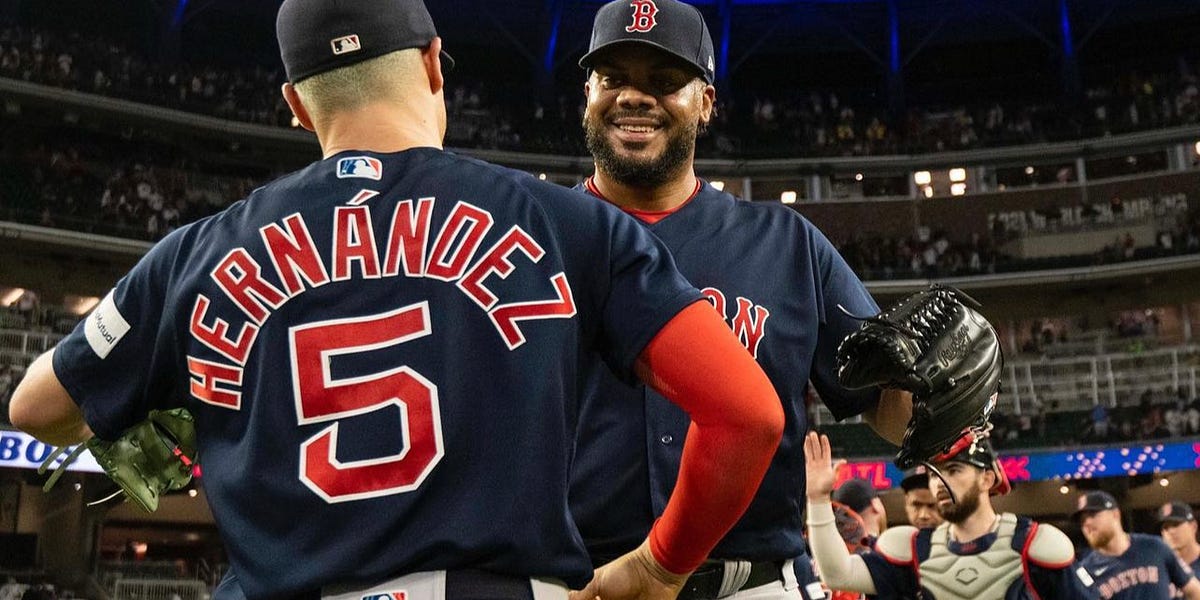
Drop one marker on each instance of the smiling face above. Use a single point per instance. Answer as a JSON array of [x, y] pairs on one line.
[[644, 110]]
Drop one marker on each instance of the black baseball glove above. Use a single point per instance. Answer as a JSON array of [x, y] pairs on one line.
[[936, 345]]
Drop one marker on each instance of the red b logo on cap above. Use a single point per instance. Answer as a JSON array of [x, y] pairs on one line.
[[643, 16]]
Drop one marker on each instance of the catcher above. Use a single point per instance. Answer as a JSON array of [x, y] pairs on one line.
[[977, 554]]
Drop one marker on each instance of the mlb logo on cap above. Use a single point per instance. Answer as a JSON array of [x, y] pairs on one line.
[[346, 44], [360, 167]]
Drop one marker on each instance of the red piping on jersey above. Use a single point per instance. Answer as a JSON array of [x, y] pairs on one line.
[[645, 216], [1033, 527]]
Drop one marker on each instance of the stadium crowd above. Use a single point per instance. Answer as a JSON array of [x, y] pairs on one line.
[[751, 123]]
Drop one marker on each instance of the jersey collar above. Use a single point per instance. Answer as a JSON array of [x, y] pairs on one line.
[[646, 216]]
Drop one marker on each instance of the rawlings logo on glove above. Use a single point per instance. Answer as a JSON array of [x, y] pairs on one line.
[[148, 460], [936, 345]]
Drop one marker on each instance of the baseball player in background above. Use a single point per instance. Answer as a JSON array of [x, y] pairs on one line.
[[920, 505], [382, 352], [1127, 566], [976, 554], [774, 278], [860, 497], [1177, 523]]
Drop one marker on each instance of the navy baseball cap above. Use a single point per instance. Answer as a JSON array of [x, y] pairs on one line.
[[1175, 512], [856, 494], [1092, 502], [918, 479], [669, 25], [316, 36]]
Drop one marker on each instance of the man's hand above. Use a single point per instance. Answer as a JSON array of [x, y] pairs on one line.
[[818, 467], [636, 575]]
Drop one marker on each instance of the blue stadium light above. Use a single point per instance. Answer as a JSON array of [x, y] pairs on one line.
[[551, 46], [180, 9], [1064, 17], [893, 37]]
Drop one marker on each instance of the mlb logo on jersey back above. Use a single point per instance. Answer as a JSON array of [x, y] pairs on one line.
[[360, 167], [345, 44], [401, 595]]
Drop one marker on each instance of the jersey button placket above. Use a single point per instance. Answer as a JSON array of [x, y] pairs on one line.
[[666, 439]]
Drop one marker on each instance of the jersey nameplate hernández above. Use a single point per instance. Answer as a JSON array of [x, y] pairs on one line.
[[411, 249]]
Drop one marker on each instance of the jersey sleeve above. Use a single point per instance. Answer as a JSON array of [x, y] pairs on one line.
[[891, 580], [114, 364], [645, 292], [1178, 572], [1061, 582], [837, 285]]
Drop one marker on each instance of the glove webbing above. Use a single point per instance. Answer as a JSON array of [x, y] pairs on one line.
[[78, 450]]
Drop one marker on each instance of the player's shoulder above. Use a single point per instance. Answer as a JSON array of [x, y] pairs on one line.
[[896, 544], [1147, 543], [1047, 546]]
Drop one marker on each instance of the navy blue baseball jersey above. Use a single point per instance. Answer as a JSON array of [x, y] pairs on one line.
[[1194, 566], [778, 282], [1037, 581], [1146, 571], [382, 352]]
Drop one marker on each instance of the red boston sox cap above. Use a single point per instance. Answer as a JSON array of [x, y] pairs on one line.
[[669, 25], [316, 36]]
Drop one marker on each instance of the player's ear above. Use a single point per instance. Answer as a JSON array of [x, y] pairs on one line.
[[708, 104], [432, 57], [297, 105], [989, 478]]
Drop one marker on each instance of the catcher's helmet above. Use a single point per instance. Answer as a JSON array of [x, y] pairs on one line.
[[975, 450]]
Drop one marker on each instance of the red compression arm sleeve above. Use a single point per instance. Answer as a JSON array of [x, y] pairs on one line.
[[737, 421]]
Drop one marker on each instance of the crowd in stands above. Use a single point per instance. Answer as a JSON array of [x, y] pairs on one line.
[[1155, 416], [37, 588], [111, 187], [873, 256], [93, 64], [750, 123], [936, 255]]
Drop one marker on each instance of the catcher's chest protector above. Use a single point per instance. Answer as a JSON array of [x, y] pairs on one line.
[[983, 576]]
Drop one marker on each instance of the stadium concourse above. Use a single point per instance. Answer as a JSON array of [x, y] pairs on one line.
[[1058, 184]]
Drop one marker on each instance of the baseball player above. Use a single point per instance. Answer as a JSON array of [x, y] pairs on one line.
[[775, 279], [919, 502], [383, 352], [861, 499], [976, 554], [1178, 525], [1127, 566]]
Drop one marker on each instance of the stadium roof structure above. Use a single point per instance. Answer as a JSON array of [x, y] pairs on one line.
[[552, 33]]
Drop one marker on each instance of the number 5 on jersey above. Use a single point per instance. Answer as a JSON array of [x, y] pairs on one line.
[[320, 398]]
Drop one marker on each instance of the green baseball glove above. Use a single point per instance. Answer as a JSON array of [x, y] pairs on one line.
[[149, 459]]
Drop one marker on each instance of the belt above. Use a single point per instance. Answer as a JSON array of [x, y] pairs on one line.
[[709, 582], [456, 584], [474, 583]]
